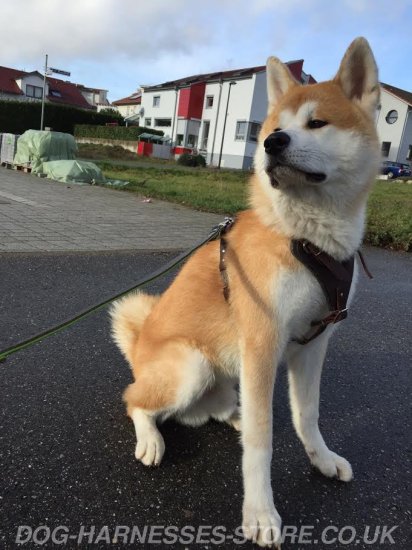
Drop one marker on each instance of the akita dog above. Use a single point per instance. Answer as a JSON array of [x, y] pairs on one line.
[[316, 159]]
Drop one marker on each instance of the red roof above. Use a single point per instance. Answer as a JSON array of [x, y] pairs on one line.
[[69, 94], [62, 92], [134, 99], [8, 79]]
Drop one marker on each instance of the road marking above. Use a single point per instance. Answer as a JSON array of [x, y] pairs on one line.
[[21, 199]]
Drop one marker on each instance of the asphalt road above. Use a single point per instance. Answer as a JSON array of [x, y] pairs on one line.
[[66, 446]]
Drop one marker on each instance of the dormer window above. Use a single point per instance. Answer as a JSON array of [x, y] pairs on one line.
[[34, 91], [55, 93]]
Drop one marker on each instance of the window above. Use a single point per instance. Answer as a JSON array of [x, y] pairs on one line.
[[34, 91], [191, 140], [179, 139], [162, 121], [55, 93], [391, 117], [240, 134], [254, 128], [209, 102], [205, 135], [147, 121], [156, 101], [386, 145]]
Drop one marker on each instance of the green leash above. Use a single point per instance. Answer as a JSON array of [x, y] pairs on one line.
[[214, 234]]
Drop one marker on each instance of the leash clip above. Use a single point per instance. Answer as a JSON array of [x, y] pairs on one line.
[[222, 227]]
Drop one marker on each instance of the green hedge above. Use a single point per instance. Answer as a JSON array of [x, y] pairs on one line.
[[130, 133], [18, 116]]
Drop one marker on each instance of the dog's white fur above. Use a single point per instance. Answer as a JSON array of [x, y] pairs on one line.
[[187, 347]]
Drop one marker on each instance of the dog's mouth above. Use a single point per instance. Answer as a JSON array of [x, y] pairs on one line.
[[278, 172]]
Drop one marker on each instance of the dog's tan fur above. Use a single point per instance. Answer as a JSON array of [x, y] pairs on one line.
[[188, 346]]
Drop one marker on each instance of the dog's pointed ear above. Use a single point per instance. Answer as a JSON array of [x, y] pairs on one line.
[[279, 80], [358, 76]]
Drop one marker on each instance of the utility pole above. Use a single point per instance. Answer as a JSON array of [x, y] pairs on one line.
[[44, 94], [232, 83]]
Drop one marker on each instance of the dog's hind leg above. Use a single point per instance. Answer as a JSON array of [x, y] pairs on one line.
[[173, 378], [305, 368], [219, 402]]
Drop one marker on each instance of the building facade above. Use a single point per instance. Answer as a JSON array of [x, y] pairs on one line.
[[394, 124], [217, 114], [129, 107]]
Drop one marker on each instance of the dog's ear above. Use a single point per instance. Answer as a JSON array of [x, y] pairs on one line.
[[358, 76], [279, 80]]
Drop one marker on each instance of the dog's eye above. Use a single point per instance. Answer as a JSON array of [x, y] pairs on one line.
[[313, 124], [277, 129]]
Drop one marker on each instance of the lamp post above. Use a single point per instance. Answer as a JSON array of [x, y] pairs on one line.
[[231, 83]]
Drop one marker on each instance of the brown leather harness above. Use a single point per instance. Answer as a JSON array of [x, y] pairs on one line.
[[334, 277]]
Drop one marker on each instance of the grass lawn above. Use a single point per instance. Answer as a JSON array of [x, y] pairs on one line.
[[390, 215], [222, 191], [389, 209]]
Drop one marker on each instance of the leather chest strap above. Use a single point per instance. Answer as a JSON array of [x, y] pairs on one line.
[[335, 279]]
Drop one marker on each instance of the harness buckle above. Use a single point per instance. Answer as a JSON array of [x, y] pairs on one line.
[[331, 319], [311, 249]]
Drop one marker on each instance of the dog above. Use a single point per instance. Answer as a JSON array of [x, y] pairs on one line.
[[316, 158]]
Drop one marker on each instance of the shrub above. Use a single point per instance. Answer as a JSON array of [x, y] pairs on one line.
[[186, 159], [18, 116], [113, 113], [130, 133]]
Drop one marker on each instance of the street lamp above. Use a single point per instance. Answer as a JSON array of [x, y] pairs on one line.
[[231, 83]]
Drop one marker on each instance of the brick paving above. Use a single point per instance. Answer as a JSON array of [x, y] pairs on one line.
[[40, 215]]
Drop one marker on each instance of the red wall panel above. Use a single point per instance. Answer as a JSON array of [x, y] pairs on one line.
[[184, 98], [191, 101], [197, 95]]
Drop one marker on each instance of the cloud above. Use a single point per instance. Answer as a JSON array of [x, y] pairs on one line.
[[119, 44], [98, 29]]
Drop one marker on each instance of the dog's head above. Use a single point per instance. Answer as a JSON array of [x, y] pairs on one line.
[[319, 137]]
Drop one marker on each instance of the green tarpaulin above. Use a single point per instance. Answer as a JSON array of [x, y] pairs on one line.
[[78, 171], [35, 147]]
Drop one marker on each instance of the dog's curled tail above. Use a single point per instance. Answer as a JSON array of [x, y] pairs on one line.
[[128, 315]]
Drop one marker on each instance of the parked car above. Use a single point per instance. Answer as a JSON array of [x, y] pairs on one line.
[[395, 169]]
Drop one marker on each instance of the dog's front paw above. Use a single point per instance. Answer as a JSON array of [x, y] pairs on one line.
[[332, 465], [150, 448], [262, 525]]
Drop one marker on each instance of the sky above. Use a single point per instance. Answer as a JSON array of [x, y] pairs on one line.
[[119, 45]]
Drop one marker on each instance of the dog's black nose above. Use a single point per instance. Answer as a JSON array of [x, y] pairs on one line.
[[275, 143]]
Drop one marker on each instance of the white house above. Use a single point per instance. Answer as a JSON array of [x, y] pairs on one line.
[[394, 123], [218, 114], [129, 107], [28, 86]]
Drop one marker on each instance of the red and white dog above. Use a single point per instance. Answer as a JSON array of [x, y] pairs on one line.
[[316, 159]]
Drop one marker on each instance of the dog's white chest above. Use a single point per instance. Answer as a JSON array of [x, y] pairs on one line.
[[298, 300]]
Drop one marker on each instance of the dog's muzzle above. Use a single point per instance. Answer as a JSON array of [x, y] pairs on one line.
[[275, 145]]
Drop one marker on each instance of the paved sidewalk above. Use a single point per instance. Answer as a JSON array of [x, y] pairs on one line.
[[42, 215]]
